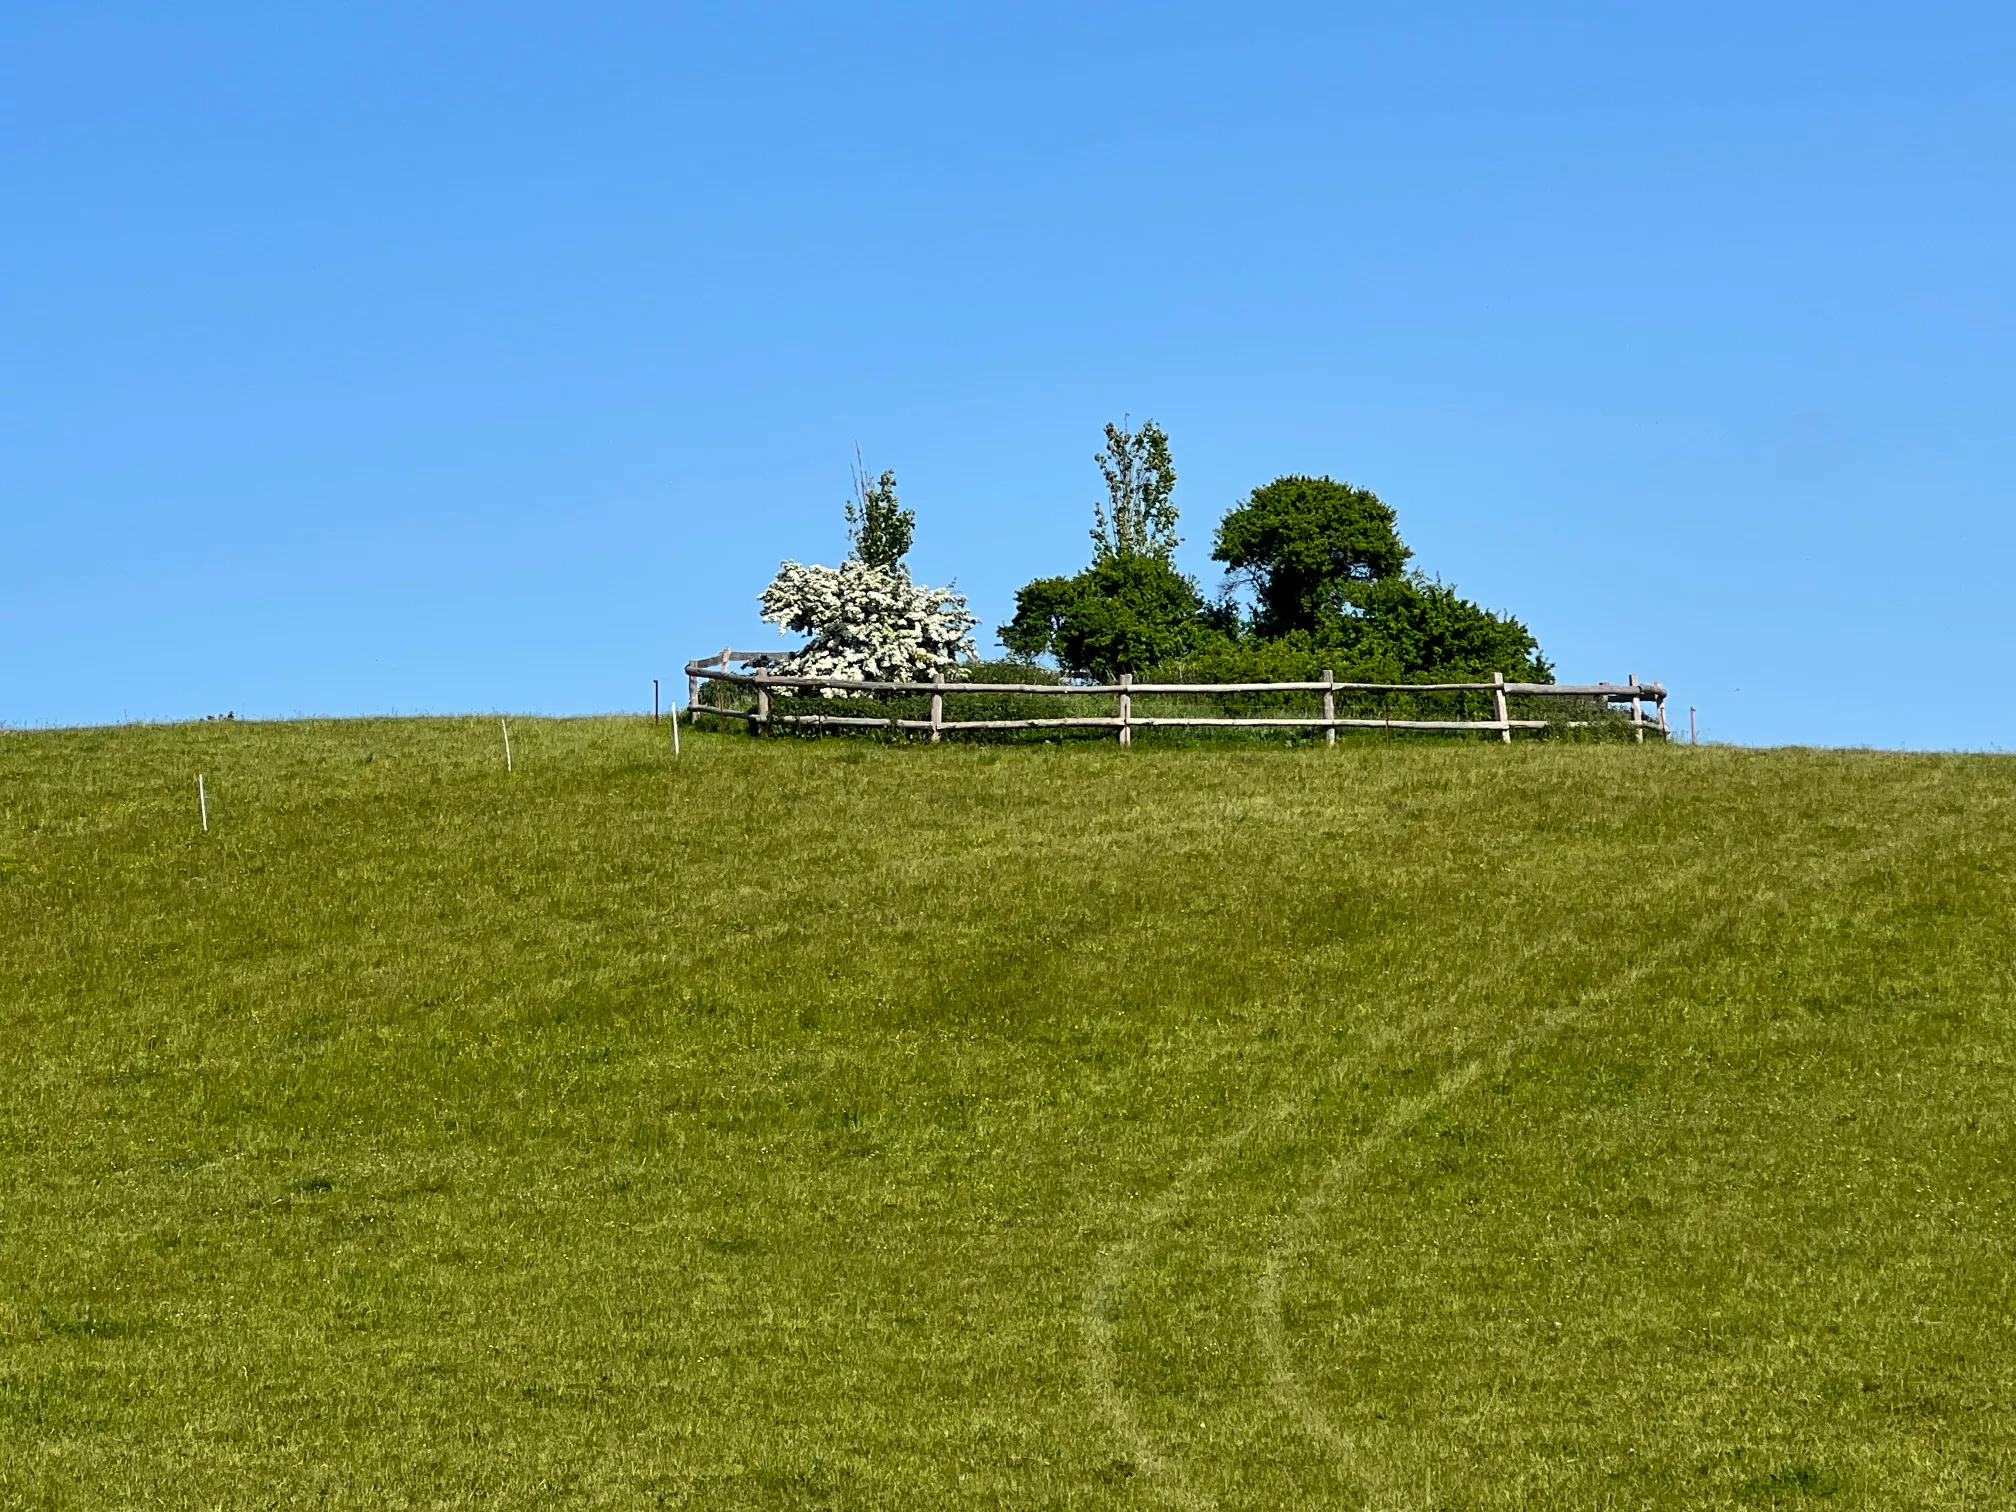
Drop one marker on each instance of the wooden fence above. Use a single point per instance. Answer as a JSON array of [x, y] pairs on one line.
[[719, 671]]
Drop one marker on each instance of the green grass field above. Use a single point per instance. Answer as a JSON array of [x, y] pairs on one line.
[[832, 1124]]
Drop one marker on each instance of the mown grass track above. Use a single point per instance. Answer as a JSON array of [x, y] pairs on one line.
[[832, 1124]]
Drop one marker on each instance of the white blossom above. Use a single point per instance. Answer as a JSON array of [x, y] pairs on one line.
[[867, 622]]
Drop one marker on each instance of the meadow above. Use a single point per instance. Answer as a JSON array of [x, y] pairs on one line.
[[841, 1124]]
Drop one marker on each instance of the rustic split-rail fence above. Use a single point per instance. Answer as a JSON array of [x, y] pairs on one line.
[[719, 671]]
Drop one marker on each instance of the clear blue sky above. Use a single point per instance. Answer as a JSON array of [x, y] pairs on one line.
[[361, 358]]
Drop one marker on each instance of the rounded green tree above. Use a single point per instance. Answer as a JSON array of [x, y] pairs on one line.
[[1308, 547]]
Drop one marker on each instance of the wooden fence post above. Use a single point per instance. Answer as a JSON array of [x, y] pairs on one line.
[[692, 701], [762, 708], [1637, 709], [1329, 707], [937, 702], [721, 695], [1126, 710], [1499, 709]]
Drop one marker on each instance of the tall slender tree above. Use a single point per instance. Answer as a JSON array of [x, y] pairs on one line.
[[1138, 518], [878, 528]]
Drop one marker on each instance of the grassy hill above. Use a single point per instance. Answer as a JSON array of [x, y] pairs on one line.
[[840, 1125]]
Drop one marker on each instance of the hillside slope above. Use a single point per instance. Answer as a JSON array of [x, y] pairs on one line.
[[838, 1125]]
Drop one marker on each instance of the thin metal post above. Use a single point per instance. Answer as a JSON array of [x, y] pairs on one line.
[[1693, 732], [1329, 707], [654, 700]]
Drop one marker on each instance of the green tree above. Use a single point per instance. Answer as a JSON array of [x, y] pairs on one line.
[[1131, 608], [1138, 518], [1406, 629], [1308, 548], [879, 530], [1121, 614], [1041, 609], [1421, 625]]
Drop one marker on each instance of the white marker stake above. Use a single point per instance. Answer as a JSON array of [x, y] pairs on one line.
[[507, 743], [202, 803], [675, 732]]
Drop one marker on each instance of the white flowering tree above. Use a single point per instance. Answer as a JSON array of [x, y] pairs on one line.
[[868, 622], [865, 618]]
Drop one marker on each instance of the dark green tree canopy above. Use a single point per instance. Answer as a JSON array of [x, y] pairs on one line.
[[1121, 614], [1308, 547], [1419, 624], [1408, 629], [1040, 611]]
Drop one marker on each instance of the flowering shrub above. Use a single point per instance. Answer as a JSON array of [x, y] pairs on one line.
[[868, 622]]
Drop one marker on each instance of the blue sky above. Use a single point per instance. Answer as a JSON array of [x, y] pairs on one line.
[[372, 358]]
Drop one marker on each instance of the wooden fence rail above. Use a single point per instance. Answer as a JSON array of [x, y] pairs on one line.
[[719, 670]]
